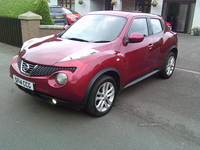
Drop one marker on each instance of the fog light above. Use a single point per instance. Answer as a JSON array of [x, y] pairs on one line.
[[54, 101], [61, 78]]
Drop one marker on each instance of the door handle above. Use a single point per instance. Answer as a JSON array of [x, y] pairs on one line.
[[150, 46]]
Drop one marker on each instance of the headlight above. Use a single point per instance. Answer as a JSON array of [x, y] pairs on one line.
[[80, 54], [61, 78]]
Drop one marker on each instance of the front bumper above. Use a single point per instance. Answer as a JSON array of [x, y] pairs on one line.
[[70, 94], [51, 100]]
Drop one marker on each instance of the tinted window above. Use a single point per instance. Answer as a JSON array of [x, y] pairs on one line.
[[156, 25], [56, 10], [74, 12], [139, 25]]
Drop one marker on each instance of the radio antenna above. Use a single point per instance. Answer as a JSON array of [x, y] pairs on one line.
[[138, 8]]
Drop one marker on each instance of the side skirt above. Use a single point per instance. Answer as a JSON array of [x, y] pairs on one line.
[[141, 78]]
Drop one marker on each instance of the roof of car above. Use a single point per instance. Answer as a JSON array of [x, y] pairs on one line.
[[124, 13]]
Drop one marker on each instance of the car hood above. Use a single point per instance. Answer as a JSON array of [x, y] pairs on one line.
[[52, 49]]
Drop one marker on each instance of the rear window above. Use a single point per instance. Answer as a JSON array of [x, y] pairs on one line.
[[56, 10]]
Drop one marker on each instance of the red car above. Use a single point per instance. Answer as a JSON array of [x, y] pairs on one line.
[[169, 25], [88, 64], [72, 16]]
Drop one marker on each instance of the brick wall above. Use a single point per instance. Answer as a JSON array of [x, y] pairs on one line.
[[50, 29], [128, 5], [31, 28]]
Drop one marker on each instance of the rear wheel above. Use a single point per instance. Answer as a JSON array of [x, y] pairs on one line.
[[169, 66], [102, 96]]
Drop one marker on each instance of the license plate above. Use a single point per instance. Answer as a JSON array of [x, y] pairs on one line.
[[24, 83], [59, 16]]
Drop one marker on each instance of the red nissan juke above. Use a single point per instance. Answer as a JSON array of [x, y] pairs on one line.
[[102, 53]]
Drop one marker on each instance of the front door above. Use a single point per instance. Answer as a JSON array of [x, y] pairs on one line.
[[182, 17], [179, 14], [139, 55], [108, 5]]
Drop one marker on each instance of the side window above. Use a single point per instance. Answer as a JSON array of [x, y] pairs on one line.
[[139, 25], [156, 25]]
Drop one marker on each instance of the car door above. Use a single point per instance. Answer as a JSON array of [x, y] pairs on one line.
[[139, 56], [158, 36]]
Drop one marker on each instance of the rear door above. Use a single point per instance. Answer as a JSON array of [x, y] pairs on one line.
[[157, 26]]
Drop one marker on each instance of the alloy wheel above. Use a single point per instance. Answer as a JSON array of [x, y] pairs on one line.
[[105, 96], [170, 65]]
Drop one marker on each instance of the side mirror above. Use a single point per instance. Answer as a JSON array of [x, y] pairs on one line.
[[135, 38], [66, 27]]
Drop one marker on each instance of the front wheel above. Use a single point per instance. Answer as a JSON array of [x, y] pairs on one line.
[[168, 67], [102, 96]]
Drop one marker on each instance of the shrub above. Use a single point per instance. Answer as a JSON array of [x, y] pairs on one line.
[[14, 8]]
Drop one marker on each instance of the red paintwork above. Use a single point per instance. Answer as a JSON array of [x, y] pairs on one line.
[[70, 17], [131, 60], [168, 24]]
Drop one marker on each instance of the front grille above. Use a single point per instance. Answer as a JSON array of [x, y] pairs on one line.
[[40, 70], [48, 70]]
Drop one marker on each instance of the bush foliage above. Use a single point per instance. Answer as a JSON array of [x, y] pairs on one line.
[[14, 8]]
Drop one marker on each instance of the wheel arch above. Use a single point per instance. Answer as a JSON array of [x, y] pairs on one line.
[[112, 72], [173, 49]]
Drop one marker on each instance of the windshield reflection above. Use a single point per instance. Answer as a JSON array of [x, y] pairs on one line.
[[96, 28]]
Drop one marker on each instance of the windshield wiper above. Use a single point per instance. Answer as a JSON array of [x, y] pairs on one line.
[[77, 39], [101, 41]]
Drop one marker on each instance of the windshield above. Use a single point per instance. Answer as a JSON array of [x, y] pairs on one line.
[[73, 11], [96, 28]]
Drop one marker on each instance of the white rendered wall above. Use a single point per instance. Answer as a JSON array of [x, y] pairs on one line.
[[118, 6], [82, 8], [158, 9], [53, 2], [96, 5], [196, 19]]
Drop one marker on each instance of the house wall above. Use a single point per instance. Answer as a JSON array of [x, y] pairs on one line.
[[53, 2], [196, 20], [118, 6], [158, 9], [96, 5], [82, 8]]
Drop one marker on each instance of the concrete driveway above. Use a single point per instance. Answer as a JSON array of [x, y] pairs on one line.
[[174, 102]]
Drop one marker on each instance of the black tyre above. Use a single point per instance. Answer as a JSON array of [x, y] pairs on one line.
[[168, 67], [102, 96]]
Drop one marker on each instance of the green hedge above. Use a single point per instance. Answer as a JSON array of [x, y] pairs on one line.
[[14, 8]]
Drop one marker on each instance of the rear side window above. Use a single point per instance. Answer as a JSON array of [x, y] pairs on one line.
[[156, 25], [139, 25], [74, 12]]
